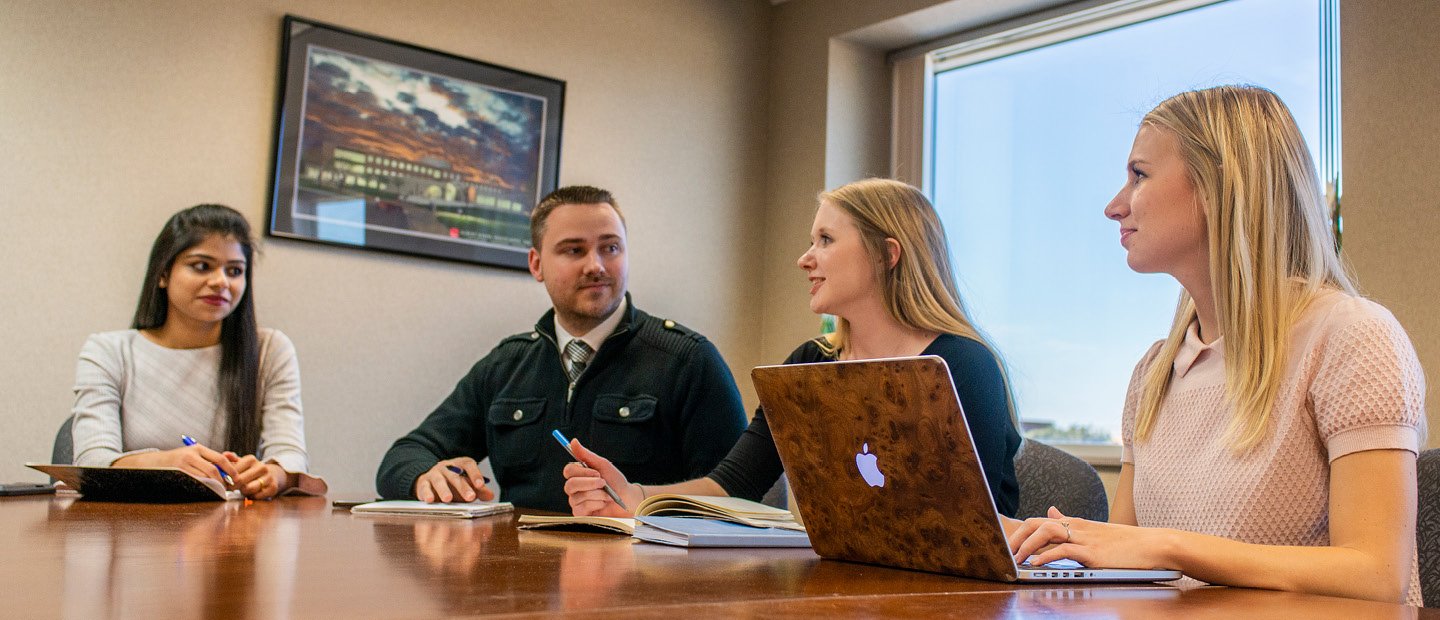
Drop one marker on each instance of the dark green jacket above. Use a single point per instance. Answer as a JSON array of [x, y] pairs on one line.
[[657, 400]]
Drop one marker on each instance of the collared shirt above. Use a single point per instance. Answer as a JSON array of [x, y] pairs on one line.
[[1191, 350], [1351, 383], [596, 337]]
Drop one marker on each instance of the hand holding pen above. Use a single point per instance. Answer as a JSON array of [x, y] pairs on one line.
[[221, 463], [588, 469], [457, 479]]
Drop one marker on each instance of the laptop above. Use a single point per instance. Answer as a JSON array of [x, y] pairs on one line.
[[884, 471]]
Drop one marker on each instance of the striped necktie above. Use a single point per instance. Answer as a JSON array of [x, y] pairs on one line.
[[578, 354]]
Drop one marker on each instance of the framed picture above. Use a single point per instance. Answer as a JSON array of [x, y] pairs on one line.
[[386, 145]]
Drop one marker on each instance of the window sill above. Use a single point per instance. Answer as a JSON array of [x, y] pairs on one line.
[[1097, 455]]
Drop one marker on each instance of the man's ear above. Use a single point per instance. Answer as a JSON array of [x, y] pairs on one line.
[[892, 249], [534, 258]]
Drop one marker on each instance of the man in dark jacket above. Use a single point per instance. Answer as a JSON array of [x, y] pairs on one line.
[[650, 394]]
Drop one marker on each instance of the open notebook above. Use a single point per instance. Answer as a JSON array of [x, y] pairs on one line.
[[603, 525], [732, 509], [138, 484]]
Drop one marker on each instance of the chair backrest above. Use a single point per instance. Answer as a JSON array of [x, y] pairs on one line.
[[1049, 477], [63, 452], [779, 495], [1427, 525]]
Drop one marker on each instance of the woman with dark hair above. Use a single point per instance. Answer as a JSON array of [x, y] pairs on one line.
[[194, 364]]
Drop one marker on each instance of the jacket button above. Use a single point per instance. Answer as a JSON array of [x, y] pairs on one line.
[[534, 335], [519, 413], [624, 412], [669, 324]]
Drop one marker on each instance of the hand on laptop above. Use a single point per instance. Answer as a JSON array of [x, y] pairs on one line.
[[1091, 543], [585, 484], [1010, 525]]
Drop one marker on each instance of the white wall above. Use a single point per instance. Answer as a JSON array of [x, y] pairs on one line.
[[113, 115]]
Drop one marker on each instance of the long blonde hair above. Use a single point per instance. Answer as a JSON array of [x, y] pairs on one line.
[[919, 291], [1271, 244]]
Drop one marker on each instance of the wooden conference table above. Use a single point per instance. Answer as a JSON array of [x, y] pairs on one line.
[[299, 558]]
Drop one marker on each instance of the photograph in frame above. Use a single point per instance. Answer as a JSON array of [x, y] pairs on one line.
[[389, 146]]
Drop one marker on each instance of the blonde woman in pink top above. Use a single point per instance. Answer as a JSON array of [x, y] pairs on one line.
[[1270, 440]]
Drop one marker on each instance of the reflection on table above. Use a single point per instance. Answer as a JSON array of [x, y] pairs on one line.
[[299, 558]]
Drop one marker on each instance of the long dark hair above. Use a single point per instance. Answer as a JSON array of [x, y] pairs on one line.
[[239, 379]]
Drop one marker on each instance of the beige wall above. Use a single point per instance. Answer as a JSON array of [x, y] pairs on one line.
[[715, 121], [114, 115], [1391, 194]]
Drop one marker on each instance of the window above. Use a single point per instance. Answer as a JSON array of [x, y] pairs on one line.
[[1029, 138]]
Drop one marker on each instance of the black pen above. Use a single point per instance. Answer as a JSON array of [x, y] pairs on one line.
[[463, 474]]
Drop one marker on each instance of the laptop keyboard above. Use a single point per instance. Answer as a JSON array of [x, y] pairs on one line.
[[1056, 565]]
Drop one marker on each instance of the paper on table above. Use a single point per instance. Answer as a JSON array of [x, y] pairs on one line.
[[612, 525], [464, 510]]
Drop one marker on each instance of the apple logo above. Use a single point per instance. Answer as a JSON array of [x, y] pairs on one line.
[[869, 469]]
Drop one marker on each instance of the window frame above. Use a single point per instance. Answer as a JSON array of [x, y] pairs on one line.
[[913, 72]]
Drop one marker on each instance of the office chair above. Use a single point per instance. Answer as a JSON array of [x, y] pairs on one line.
[[63, 452], [1427, 525], [1049, 477], [779, 495]]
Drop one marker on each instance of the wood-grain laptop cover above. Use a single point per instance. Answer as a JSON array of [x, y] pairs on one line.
[[882, 466]]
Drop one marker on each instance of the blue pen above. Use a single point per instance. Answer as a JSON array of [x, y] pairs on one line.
[[190, 442], [565, 443]]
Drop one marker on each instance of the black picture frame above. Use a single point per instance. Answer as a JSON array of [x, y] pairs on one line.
[[390, 146]]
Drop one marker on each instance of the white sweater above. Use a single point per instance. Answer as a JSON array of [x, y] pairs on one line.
[[132, 395]]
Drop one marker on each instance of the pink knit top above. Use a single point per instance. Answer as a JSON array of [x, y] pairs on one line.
[[1352, 383]]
